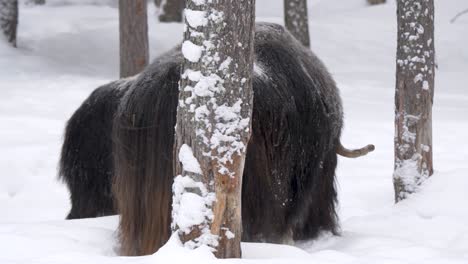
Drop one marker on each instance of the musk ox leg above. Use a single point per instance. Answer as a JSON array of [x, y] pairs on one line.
[[86, 161], [291, 159], [321, 215], [265, 202], [143, 144]]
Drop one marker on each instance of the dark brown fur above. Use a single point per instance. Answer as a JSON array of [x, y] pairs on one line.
[[143, 137]]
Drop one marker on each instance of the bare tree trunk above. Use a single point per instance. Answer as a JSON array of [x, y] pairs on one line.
[[213, 123], [414, 96], [9, 19], [376, 2], [170, 10], [134, 53], [296, 20]]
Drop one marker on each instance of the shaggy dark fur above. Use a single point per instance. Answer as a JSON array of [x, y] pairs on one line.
[[288, 183], [144, 141], [86, 163]]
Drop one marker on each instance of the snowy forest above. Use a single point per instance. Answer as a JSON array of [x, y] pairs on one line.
[[220, 131]]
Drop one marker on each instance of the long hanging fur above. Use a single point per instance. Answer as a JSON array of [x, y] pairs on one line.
[[288, 187], [144, 139], [289, 176]]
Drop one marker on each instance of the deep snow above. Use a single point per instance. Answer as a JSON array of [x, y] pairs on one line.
[[65, 51]]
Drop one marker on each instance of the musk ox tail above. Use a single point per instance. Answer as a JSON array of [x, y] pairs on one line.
[[354, 153]]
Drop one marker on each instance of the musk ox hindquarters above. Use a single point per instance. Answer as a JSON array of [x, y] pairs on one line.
[[288, 183]]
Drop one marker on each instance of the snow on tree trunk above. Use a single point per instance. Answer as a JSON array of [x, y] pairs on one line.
[[9, 19], [134, 53], [375, 2], [414, 96], [296, 21], [213, 124], [170, 10]]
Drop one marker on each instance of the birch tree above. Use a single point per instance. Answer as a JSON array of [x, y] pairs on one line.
[[414, 96], [296, 20], [213, 123], [9, 20], [133, 22]]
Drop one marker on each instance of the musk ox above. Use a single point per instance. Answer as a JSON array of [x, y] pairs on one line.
[[117, 156]]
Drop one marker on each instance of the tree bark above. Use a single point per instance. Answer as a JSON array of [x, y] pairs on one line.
[[414, 96], [296, 20], [9, 19], [376, 2], [214, 120], [171, 10], [133, 20]]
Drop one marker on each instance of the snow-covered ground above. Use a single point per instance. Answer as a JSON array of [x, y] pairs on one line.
[[65, 51]]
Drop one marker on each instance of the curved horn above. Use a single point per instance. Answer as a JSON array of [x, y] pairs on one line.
[[354, 153]]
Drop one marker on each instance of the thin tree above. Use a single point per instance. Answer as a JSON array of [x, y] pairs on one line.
[[134, 54], [296, 20], [170, 10], [9, 19], [213, 123], [414, 96], [375, 2]]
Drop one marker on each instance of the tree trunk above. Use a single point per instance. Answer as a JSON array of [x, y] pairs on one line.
[[133, 36], [414, 96], [296, 21], [375, 2], [9, 19], [213, 123], [170, 10]]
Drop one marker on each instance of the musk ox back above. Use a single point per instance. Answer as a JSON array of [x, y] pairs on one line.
[[289, 176]]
